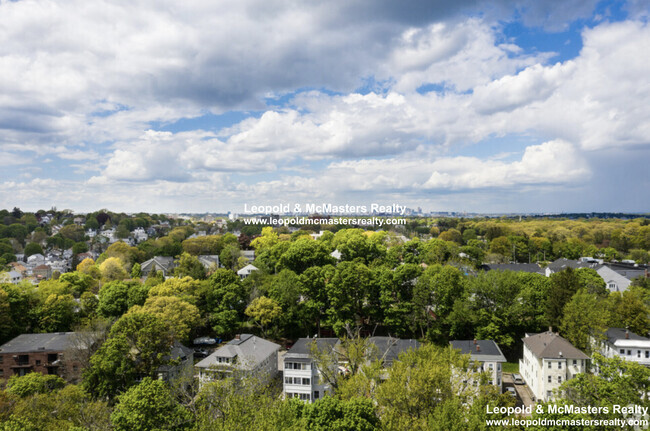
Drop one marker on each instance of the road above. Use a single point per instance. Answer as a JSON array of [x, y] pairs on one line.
[[524, 396]]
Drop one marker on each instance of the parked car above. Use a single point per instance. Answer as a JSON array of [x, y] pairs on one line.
[[516, 378], [511, 391]]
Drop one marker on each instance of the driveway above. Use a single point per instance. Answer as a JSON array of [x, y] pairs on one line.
[[524, 395]]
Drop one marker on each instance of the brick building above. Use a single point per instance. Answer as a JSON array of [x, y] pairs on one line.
[[41, 353]]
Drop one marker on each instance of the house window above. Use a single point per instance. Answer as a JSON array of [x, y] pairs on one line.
[[549, 364], [638, 353], [575, 362], [629, 353], [612, 286], [489, 382], [549, 379], [38, 362], [288, 380], [306, 381], [316, 395], [622, 351], [491, 366], [559, 365], [288, 365], [2, 372], [1, 359], [647, 355], [559, 379], [548, 394]]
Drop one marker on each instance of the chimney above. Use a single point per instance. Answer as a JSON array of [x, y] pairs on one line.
[[550, 328], [627, 334], [237, 337], [560, 354], [475, 342], [478, 348]]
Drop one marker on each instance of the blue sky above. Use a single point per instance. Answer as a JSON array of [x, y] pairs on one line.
[[501, 106]]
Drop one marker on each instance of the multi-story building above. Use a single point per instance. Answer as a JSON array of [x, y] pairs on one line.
[[549, 360], [301, 375], [246, 354], [488, 355], [41, 353], [620, 342]]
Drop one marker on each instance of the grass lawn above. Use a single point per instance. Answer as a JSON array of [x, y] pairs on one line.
[[510, 367]]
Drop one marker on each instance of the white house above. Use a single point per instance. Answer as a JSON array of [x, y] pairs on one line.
[[246, 271], [246, 353], [624, 344], [488, 355], [614, 281], [13, 277], [549, 360], [301, 375]]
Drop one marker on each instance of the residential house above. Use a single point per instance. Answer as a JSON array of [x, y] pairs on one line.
[[246, 353], [41, 353], [159, 263], [249, 255], [209, 261], [13, 277], [487, 354], [388, 349], [336, 254], [43, 272], [562, 264], [301, 375], [549, 360], [140, 234], [246, 271], [614, 281], [183, 362], [625, 344], [36, 259]]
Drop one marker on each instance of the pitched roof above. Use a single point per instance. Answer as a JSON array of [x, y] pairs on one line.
[[480, 350], [562, 263], [520, 267], [389, 348], [615, 334], [25, 343], [551, 345], [302, 347], [248, 349], [245, 270]]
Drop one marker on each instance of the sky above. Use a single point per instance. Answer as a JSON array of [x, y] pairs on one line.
[[195, 106]]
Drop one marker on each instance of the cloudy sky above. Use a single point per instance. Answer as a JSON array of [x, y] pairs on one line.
[[168, 106]]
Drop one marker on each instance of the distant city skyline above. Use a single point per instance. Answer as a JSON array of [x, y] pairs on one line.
[[508, 106]]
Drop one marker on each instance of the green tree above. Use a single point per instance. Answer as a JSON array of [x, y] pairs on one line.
[[189, 266], [629, 310], [181, 317], [58, 313], [137, 345], [33, 248], [33, 383], [136, 271], [563, 285], [225, 298], [263, 311], [112, 269], [329, 413], [583, 318], [149, 406], [229, 256]]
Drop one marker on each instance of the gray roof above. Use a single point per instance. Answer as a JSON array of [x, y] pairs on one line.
[[26, 343], [551, 345], [302, 347], [178, 352], [248, 349], [389, 348], [162, 262], [207, 260], [563, 263], [614, 334], [521, 267], [480, 350]]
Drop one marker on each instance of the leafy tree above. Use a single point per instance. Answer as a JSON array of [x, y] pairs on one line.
[[563, 285], [136, 347], [629, 310], [180, 316], [113, 299], [136, 271], [229, 256], [264, 311], [190, 266], [148, 406], [330, 413], [58, 313], [33, 383], [77, 282], [225, 298], [87, 266], [73, 232], [265, 241], [186, 288], [349, 292], [33, 248], [112, 269], [583, 318]]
